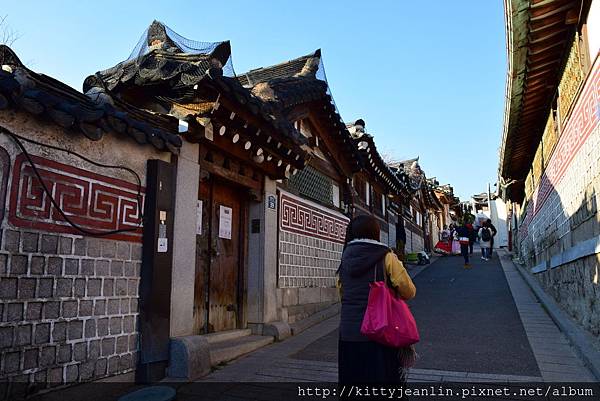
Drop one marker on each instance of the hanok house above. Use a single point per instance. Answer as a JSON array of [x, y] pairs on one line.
[[436, 212], [223, 271], [414, 210], [74, 177], [450, 203], [375, 185], [432, 221], [315, 202], [549, 160]]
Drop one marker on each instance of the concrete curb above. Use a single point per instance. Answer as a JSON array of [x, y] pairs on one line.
[[576, 335]]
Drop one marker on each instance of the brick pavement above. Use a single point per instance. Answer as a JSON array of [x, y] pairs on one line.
[[556, 358]]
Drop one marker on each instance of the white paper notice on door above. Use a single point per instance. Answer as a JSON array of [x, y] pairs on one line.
[[225, 222], [199, 218]]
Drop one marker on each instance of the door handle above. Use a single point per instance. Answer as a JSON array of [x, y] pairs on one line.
[[231, 308]]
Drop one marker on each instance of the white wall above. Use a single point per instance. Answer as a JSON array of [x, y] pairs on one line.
[[498, 215], [593, 26]]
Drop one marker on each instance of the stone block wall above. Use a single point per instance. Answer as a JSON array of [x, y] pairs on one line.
[[557, 236], [69, 308], [414, 241], [295, 304], [575, 286]]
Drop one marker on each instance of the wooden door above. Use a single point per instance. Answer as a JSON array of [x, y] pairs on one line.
[[217, 303], [225, 266]]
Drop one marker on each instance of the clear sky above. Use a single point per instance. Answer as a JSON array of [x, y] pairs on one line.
[[426, 76]]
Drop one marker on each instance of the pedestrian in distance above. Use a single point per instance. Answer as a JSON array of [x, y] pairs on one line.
[[454, 239], [485, 236], [472, 237], [494, 232], [463, 239], [361, 360]]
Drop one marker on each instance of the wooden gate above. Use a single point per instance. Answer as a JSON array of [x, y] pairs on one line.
[[219, 255]]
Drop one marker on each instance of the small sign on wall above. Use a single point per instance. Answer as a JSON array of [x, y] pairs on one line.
[[272, 202], [162, 245], [225, 216]]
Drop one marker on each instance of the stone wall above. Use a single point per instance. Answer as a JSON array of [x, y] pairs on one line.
[[414, 238], [69, 301], [559, 232], [299, 303], [69, 307]]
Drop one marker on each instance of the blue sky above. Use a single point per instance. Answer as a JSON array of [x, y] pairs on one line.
[[427, 77]]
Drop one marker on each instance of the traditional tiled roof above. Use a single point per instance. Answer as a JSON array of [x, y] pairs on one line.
[[404, 164], [162, 61], [372, 160], [290, 83], [288, 92], [305, 65], [302, 81], [168, 76], [92, 114]]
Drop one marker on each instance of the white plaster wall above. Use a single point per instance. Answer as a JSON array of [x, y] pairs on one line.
[[498, 215], [593, 26]]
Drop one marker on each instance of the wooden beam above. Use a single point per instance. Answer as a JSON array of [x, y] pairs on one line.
[[566, 7]]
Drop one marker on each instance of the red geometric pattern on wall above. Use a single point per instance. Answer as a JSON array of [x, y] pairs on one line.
[[302, 218], [92, 201]]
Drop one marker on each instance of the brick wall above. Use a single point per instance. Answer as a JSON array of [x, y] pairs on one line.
[[562, 212], [69, 307]]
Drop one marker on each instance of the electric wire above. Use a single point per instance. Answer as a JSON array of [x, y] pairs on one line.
[[17, 139]]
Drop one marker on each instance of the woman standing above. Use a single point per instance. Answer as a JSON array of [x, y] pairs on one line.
[[364, 258], [455, 242]]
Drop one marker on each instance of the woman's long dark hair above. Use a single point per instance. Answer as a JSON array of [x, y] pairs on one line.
[[362, 227]]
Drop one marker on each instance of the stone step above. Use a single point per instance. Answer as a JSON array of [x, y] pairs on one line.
[[228, 350], [221, 336]]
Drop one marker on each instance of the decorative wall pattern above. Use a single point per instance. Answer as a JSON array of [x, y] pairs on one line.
[[582, 122], [310, 243], [563, 212], [303, 218], [4, 168], [93, 201]]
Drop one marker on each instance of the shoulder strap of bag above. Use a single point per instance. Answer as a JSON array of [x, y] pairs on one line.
[[382, 262]]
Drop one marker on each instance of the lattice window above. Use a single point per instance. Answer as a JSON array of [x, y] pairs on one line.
[[312, 184]]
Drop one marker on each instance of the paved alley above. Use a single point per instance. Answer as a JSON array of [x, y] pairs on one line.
[[477, 325]]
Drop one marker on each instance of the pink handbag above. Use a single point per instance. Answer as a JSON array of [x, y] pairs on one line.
[[388, 320]]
